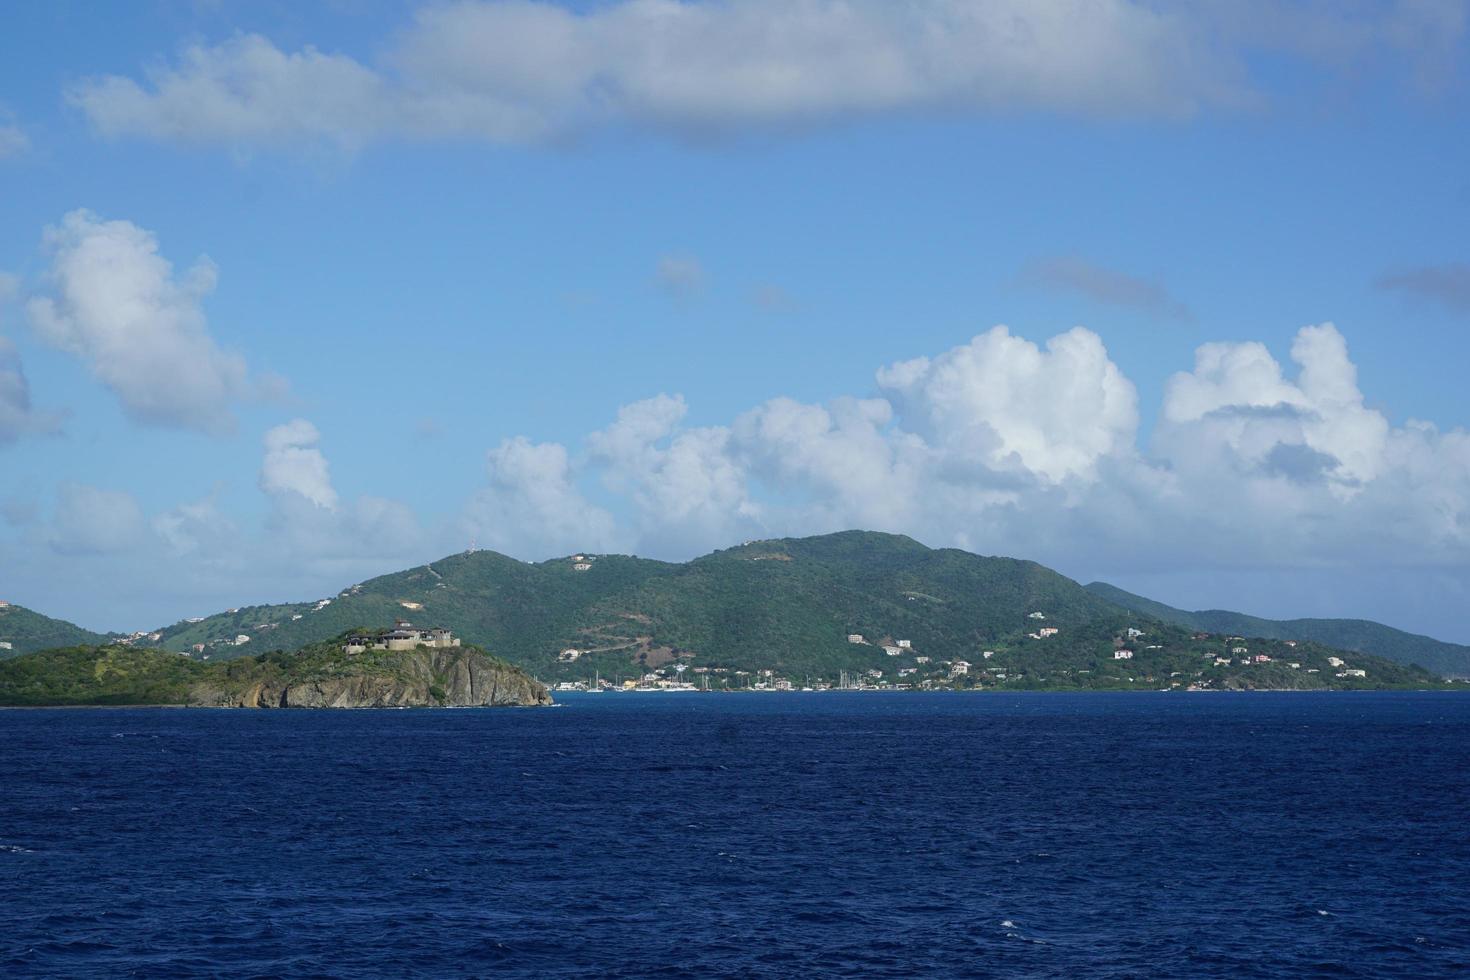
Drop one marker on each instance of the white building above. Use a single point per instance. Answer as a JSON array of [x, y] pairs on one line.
[[1046, 631], [959, 668], [568, 655], [1037, 615], [1334, 661], [1134, 634], [906, 644], [855, 638], [6, 645], [921, 660], [1122, 654], [1353, 672], [892, 651], [987, 654], [241, 640], [581, 566]]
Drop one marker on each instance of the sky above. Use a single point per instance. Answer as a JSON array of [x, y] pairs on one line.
[[1174, 295]]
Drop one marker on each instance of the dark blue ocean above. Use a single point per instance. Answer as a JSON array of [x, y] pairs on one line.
[[1046, 835]]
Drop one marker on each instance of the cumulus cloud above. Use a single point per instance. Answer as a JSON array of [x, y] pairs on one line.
[[1002, 445], [118, 306], [1104, 285], [684, 483], [519, 71], [293, 464], [1003, 401], [532, 507], [1448, 285]]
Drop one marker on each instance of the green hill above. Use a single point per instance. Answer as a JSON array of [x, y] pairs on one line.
[[786, 606], [27, 631], [1358, 635], [319, 675]]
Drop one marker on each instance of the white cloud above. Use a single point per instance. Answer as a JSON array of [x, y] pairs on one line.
[[1005, 446], [532, 507], [91, 520], [294, 464], [1002, 401], [117, 305], [685, 483], [1237, 409], [516, 71]]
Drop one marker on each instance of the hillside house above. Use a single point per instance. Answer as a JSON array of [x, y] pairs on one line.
[[581, 566], [1046, 631], [1122, 654], [892, 651], [1134, 634], [6, 645], [906, 644], [1353, 672], [1261, 658], [241, 640], [1036, 615], [1239, 650], [921, 660], [986, 654], [403, 636], [959, 668], [568, 655], [1334, 661], [855, 638]]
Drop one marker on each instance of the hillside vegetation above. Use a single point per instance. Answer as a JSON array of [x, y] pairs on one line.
[[1357, 635], [786, 606], [28, 631], [319, 675]]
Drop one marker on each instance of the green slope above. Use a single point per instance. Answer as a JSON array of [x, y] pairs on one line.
[[786, 604], [1358, 635], [27, 631], [783, 605], [123, 675]]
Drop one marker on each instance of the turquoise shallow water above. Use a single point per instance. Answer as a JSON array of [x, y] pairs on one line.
[[1268, 835]]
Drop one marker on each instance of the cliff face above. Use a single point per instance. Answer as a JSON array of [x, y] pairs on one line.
[[422, 678]]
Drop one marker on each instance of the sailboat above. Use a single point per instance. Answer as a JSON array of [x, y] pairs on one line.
[[596, 687]]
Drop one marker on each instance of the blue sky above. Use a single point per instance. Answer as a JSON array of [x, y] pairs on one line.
[[297, 297]]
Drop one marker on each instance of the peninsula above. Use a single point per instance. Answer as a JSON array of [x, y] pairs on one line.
[[334, 674]]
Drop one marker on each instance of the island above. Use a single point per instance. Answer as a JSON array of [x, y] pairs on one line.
[[361, 669]]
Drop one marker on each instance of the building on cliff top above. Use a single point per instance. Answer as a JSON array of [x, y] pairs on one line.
[[403, 636]]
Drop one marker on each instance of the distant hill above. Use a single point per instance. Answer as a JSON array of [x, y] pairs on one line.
[[786, 608], [1359, 635], [27, 631], [788, 603]]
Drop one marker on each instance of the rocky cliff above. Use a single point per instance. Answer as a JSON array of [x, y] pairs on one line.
[[423, 678]]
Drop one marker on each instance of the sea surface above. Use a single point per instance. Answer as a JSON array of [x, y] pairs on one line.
[[750, 835]]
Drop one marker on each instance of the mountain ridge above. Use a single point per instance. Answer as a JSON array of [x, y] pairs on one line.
[[1357, 635]]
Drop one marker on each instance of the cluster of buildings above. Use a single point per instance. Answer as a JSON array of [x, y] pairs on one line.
[[403, 636]]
